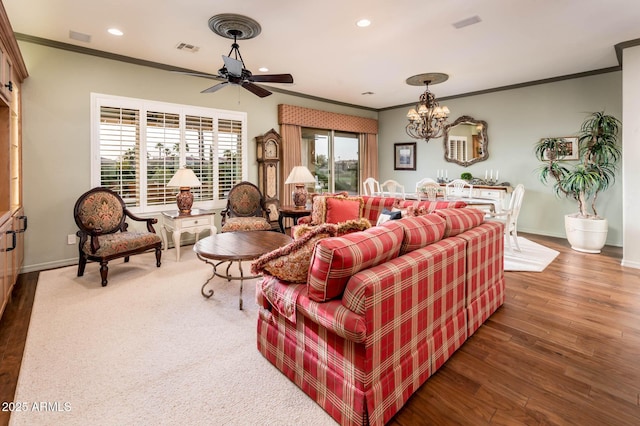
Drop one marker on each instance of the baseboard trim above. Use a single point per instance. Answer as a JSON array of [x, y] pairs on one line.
[[48, 265]]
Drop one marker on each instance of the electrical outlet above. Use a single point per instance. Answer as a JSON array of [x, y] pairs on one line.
[[71, 239]]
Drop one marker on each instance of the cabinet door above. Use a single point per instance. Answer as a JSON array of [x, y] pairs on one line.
[[7, 75], [16, 256], [5, 287]]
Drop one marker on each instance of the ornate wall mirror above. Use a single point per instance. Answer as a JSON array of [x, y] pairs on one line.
[[466, 141]]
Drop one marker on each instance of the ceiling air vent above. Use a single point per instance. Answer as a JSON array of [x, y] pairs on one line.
[[74, 35], [187, 47]]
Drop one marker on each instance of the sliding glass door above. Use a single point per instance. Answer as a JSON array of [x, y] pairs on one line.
[[333, 157]]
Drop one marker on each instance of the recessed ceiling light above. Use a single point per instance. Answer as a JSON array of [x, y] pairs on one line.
[[263, 69], [115, 32], [362, 23]]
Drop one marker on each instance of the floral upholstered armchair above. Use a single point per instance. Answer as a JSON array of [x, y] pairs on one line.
[[100, 214], [245, 210]]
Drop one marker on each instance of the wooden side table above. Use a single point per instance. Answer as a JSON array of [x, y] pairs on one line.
[[194, 223], [292, 212]]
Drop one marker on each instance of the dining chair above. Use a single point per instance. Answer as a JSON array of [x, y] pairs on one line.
[[370, 186], [459, 188], [392, 188], [423, 182], [510, 217], [430, 190]]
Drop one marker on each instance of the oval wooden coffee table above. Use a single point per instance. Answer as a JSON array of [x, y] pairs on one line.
[[230, 247]]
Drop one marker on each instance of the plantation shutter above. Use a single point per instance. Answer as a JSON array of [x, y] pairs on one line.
[[119, 141], [163, 155], [199, 154], [138, 145], [230, 155]]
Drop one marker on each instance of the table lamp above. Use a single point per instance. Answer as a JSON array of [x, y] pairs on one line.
[[184, 179], [300, 176]]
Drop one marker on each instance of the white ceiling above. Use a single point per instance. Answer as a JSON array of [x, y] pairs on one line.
[[329, 57]]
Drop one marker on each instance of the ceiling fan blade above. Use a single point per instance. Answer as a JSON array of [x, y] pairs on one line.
[[255, 89], [272, 78], [199, 74], [234, 66], [215, 88]]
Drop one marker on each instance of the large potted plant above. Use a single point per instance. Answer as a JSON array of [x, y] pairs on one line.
[[599, 154]]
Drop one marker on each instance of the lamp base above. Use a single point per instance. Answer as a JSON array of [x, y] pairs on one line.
[[299, 196], [184, 200]]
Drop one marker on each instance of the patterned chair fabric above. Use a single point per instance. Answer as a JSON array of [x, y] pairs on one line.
[[245, 210], [100, 214]]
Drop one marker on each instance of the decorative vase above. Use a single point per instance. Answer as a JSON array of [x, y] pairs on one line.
[[586, 235], [299, 196]]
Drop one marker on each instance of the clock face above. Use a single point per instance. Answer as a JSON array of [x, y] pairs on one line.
[[271, 150]]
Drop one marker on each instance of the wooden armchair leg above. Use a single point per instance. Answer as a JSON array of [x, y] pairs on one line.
[[158, 255], [82, 262], [104, 270]]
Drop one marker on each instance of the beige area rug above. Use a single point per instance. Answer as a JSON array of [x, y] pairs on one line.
[[533, 257], [148, 349]]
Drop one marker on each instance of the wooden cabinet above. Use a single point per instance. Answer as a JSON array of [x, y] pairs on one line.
[[12, 219]]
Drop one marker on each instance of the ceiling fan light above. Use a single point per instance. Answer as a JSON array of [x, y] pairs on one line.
[[422, 110]]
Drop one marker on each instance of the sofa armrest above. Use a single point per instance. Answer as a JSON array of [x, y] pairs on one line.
[[289, 300], [335, 317], [149, 221]]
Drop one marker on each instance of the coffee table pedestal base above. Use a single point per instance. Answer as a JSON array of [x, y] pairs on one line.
[[227, 275]]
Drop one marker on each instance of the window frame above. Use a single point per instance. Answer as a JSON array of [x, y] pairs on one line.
[[332, 135], [99, 100]]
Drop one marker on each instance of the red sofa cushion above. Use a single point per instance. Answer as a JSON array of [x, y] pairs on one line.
[[336, 259], [459, 220], [420, 231], [343, 209]]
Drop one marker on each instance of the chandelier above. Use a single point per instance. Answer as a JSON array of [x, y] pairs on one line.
[[428, 119]]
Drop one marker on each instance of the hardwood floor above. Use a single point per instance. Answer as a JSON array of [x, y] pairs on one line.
[[13, 334], [563, 350]]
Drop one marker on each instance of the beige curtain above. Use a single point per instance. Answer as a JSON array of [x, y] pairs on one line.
[[291, 157], [369, 168]]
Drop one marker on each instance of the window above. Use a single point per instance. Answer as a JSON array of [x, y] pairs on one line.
[[333, 157], [138, 145]]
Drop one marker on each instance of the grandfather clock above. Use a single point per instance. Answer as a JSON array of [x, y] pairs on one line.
[[268, 156]]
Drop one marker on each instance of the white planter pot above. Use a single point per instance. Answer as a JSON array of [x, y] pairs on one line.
[[586, 235]]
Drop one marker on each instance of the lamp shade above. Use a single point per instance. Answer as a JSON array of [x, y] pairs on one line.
[[184, 178], [300, 174]]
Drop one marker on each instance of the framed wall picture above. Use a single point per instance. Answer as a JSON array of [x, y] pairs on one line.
[[404, 156], [567, 149]]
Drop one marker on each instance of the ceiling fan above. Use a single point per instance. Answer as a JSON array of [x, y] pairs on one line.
[[233, 72]]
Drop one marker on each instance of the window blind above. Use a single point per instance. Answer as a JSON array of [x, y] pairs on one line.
[[138, 146]]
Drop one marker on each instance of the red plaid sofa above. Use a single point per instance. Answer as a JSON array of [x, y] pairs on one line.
[[382, 310]]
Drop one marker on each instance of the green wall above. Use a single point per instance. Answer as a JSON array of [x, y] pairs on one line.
[[56, 132], [56, 137], [517, 119]]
